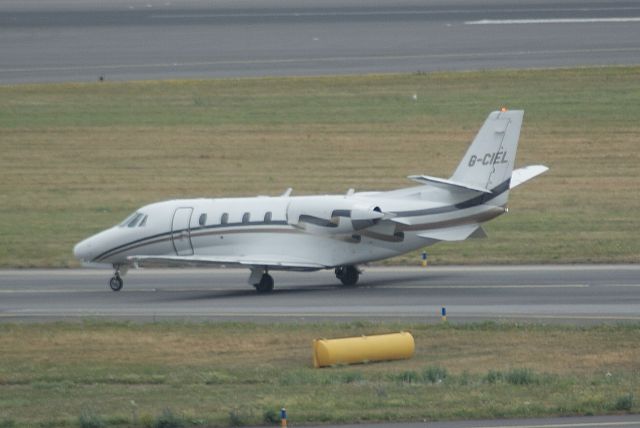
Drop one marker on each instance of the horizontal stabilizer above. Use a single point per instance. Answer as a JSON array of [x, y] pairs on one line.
[[248, 261], [456, 233], [520, 175], [446, 184]]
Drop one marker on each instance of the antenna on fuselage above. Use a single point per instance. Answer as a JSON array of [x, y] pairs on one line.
[[287, 192]]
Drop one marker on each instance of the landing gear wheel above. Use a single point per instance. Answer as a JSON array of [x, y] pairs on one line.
[[348, 275], [265, 285], [116, 283]]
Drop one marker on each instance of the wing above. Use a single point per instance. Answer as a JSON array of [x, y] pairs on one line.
[[270, 262]]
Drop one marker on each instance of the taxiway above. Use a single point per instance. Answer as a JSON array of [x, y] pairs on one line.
[[567, 294], [80, 40]]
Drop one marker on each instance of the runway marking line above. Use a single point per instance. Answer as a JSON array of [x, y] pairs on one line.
[[553, 21], [310, 287], [400, 287], [316, 287], [374, 13]]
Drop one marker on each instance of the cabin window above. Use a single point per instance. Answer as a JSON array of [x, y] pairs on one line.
[[267, 217], [203, 219], [224, 219], [128, 220], [144, 221], [135, 220], [245, 218]]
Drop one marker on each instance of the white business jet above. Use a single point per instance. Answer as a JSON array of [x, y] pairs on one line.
[[308, 233]]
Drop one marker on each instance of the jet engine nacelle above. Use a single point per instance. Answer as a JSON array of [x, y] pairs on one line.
[[363, 216], [332, 215]]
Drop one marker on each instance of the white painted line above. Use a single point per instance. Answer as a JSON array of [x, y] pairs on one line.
[[552, 21], [289, 288], [456, 286], [401, 287], [387, 12], [134, 289]]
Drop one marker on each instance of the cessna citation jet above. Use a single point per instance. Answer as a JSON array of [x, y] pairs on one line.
[[309, 233]]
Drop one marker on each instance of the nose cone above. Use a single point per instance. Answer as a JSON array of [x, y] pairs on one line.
[[83, 251], [95, 246]]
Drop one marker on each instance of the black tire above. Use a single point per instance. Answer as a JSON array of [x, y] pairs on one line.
[[265, 285], [116, 283], [348, 275]]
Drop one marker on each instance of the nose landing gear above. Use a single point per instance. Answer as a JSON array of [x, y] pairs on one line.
[[116, 282]]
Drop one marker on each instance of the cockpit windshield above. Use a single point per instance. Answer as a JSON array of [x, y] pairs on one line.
[[133, 220]]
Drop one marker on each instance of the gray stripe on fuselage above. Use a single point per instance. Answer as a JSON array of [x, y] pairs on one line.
[[317, 221], [469, 203], [472, 219]]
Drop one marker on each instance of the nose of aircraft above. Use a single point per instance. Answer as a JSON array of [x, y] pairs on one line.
[[83, 250]]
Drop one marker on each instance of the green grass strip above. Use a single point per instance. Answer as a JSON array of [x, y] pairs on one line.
[[77, 158], [226, 374]]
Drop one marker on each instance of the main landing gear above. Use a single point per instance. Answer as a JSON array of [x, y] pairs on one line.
[[116, 282], [347, 274], [261, 280]]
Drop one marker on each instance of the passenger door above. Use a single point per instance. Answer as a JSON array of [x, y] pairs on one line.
[[181, 231]]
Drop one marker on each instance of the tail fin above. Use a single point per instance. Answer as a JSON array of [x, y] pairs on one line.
[[490, 158]]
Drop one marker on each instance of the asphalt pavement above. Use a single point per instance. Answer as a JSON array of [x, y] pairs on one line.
[[582, 294], [83, 40], [626, 421]]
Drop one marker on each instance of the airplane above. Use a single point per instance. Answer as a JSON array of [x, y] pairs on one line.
[[310, 233]]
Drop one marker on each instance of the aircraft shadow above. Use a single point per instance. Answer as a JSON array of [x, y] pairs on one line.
[[312, 288]]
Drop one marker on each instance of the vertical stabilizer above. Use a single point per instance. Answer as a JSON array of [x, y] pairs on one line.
[[490, 158]]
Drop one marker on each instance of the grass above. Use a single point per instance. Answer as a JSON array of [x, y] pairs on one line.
[[77, 158], [232, 374]]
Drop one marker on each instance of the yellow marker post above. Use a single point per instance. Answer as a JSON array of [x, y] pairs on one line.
[[424, 259], [444, 314]]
